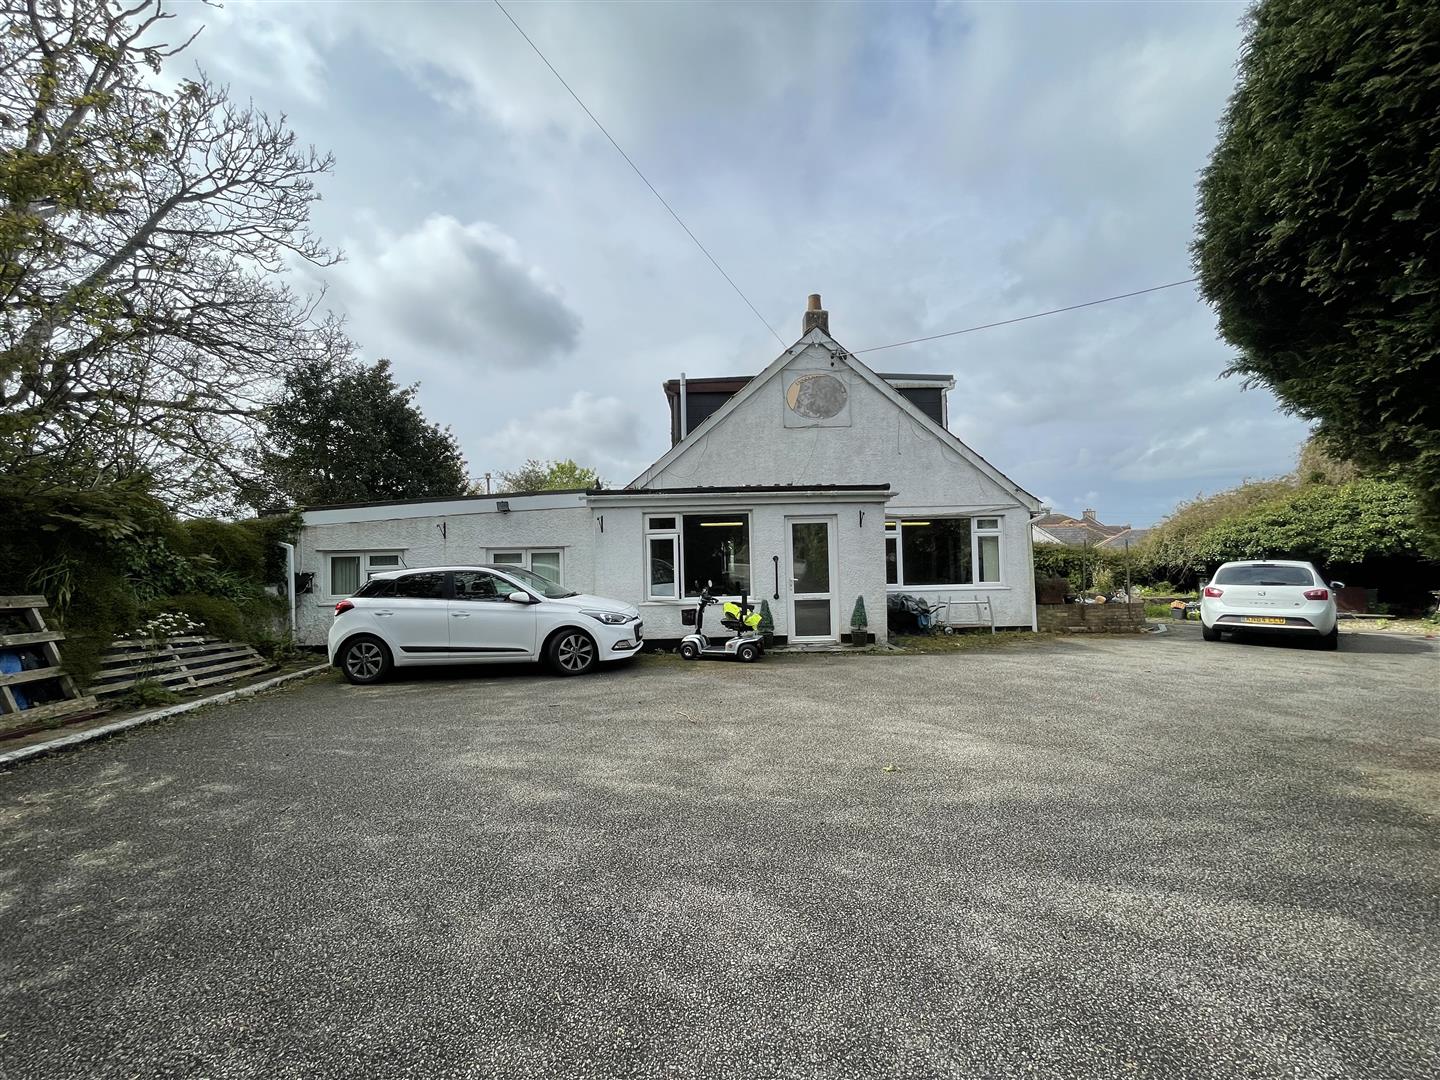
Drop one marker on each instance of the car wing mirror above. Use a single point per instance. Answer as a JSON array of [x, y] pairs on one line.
[[518, 597], [1337, 585]]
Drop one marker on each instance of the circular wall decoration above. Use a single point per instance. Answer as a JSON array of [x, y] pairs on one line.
[[818, 397]]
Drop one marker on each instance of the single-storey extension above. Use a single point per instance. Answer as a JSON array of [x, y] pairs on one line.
[[812, 485]]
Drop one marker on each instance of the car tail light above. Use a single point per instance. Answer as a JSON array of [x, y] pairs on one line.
[[343, 606], [1213, 592], [1317, 594]]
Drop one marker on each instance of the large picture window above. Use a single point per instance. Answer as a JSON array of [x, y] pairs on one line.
[[935, 552], [685, 553], [943, 551]]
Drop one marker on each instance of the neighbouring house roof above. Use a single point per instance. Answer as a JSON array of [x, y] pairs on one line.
[[1078, 532], [1129, 537]]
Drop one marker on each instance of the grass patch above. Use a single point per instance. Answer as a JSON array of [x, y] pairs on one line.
[[964, 642]]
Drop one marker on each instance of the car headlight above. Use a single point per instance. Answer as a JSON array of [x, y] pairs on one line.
[[609, 618]]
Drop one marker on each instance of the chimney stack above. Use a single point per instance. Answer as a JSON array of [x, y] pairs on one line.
[[815, 315], [1089, 515]]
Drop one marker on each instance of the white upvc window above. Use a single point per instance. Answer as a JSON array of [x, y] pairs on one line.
[[687, 553], [986, 562], [943, 551], [546, 562], [662, 557], [346, 571]]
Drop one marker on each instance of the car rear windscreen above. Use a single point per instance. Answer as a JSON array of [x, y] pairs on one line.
[[1260, 574]]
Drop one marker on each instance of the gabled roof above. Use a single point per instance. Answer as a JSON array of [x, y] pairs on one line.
[[817, 336]]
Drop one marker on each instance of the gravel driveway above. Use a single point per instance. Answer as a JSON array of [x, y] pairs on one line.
[[1125, 857]]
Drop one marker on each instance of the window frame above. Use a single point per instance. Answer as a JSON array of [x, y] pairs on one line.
[[998, 533], [894, 529], [676, 536], [367, 568], [670, 535], [527, 555]]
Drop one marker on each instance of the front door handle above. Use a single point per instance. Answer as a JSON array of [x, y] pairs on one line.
[[459, 614], [383, 614]]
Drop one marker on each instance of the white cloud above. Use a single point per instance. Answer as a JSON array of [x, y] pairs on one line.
[[598, 432], [463, 292]]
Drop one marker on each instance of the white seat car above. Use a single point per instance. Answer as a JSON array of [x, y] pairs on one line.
[[476, 615], [1273, 596]]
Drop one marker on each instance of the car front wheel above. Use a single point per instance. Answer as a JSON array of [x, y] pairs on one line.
[[365, 660], [572, 652]]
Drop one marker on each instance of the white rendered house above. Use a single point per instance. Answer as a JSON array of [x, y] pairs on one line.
[[813, 484]]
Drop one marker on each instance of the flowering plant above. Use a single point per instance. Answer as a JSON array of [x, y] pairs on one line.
[[167, 624]]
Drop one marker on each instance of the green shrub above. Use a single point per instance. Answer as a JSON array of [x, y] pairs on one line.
[[147, 694], [250, 619]]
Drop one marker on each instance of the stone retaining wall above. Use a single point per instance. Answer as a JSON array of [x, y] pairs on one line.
[[1091, 618]]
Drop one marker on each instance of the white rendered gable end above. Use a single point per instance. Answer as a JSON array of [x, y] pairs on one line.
[[836, 353]]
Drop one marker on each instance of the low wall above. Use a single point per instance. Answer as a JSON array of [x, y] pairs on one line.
[[1091, 618]]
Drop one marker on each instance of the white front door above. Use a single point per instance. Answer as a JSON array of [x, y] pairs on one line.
[[813, 615]]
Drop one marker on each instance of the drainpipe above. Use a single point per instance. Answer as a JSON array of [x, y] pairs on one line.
[[684, 409], [290, 580]]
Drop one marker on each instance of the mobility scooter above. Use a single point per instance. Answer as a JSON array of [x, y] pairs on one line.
[[747, 646]]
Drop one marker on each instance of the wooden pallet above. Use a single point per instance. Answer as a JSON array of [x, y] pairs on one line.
[[48, 681], [178, 663]]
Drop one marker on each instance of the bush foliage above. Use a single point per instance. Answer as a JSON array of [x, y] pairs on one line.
[[1319, 227], [106, 553]]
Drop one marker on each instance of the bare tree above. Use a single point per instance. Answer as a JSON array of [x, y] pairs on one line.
[[144, 235]]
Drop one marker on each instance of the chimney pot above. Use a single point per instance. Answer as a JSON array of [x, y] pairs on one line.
[[1089, 515], [815, 315]]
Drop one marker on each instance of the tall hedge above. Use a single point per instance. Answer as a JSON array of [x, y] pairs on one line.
[[1318, 239]]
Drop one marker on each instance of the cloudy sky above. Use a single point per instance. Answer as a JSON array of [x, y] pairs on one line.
[[925, 167]]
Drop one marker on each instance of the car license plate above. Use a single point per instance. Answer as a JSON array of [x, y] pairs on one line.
[[1266, 619]]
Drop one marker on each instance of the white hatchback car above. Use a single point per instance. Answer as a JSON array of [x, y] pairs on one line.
[[1271, 596], [476, 615]]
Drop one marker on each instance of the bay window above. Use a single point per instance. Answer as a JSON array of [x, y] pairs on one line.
[[686, 553], [952, 551]]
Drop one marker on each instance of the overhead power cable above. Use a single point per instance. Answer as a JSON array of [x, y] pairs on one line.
[[1026, 318], [703, 250]]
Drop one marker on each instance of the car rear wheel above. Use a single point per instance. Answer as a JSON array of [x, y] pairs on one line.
[[365, 660], [572, 652], [1208, 633], [1331, 641]]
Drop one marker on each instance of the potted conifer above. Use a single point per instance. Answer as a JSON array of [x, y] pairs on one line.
[[859, 624]]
